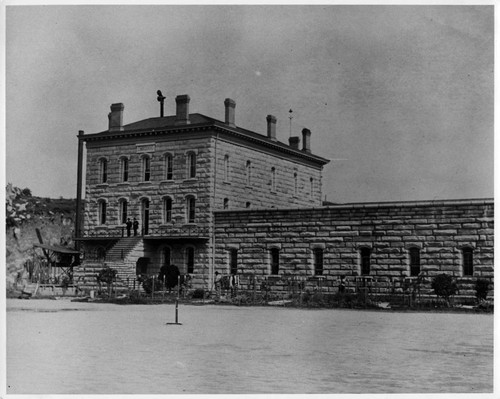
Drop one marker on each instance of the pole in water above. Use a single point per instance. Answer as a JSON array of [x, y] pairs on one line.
[[176, 314]]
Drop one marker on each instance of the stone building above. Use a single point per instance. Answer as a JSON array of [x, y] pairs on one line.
[[210, 195]]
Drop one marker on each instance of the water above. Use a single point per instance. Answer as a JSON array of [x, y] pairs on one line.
[[61, 347]]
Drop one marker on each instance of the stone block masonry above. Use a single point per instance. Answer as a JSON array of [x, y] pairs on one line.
[[375, 239]]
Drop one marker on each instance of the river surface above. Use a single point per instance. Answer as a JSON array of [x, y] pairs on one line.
[[63, 347]]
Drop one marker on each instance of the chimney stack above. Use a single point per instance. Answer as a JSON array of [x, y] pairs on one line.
[[306, 140], [271, 127], [230, 106], [115, 117], [294, 142], [182, 112]]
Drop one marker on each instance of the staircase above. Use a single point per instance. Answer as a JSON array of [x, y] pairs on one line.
[[122, 248]]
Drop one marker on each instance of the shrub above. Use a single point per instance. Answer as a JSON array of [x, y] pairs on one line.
[[481, 288], [106, 275], [444, 286], [147, 284], [198, 294]]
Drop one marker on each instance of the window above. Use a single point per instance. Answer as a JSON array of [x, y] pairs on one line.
[[248, 172], [226, 168], [169, 167], [190, 207], [311, 186], [226, 203], [365, 261], [102, 212], [273, 179], [318, 261], [190, 259], [167, 210], [191, 165], [248, 205], [414, 261], [146, 168], [275, 260], [467, 262], [103, 170], [123, 211], [295, 183], [233, 261], [124, 169]]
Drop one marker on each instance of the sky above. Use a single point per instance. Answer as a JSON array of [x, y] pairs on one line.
[[399, 98]]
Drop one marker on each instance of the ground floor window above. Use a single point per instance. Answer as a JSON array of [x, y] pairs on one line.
[[467, 262], [233, 261], [190, 260], [318, 261], [414, 261], [275, 260], [365, 261]]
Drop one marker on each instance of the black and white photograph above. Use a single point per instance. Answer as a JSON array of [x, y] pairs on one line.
[[248, 199]]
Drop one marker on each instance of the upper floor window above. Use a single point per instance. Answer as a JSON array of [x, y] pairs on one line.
[[414, 261], [167, 210], [146, 168], [248, 173], [365, 261], [248, 205], [102, 211], [169, 167], [233, 261], [226, 203], [103, 170], [123, 211], [295, 183], [273, 179], [191, 165], [275, 260], [311, 186], [467, 262], [190, 209], [318, 261], [226, 168], [124, 169]]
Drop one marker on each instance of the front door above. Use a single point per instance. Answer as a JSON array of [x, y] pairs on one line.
[[145, 216]]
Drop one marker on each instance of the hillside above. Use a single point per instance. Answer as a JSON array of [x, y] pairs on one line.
[[24, 214]]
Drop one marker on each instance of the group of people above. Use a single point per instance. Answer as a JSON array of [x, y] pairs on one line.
[[132, 225]]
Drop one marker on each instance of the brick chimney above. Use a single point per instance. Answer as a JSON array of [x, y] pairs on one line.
[[294, 142], [115, 117], [271, 127], [306, 140], [230, 106], [182, 112]]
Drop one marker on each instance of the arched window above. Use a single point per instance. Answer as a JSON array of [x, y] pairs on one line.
[[123, 210], [233, 261], [248, 173], [318, 261], [414, 261], [191, 165], [124, 169], [190, 260], [169, 167], [103, 170], [365, 261], [190, 209], [273, 179], [467, 261], [226, 203], [146, 168], [226, 168], [275, 260], [167, 210], [102, 211]]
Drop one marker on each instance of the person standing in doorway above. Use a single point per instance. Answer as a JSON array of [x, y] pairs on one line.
[[136, 226], [129, 227]]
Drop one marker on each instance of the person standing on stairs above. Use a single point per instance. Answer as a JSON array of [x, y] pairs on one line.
[[129, 227], [136, 226]]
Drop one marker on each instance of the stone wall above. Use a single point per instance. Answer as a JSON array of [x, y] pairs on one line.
[[439, 229], [260, 192]]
